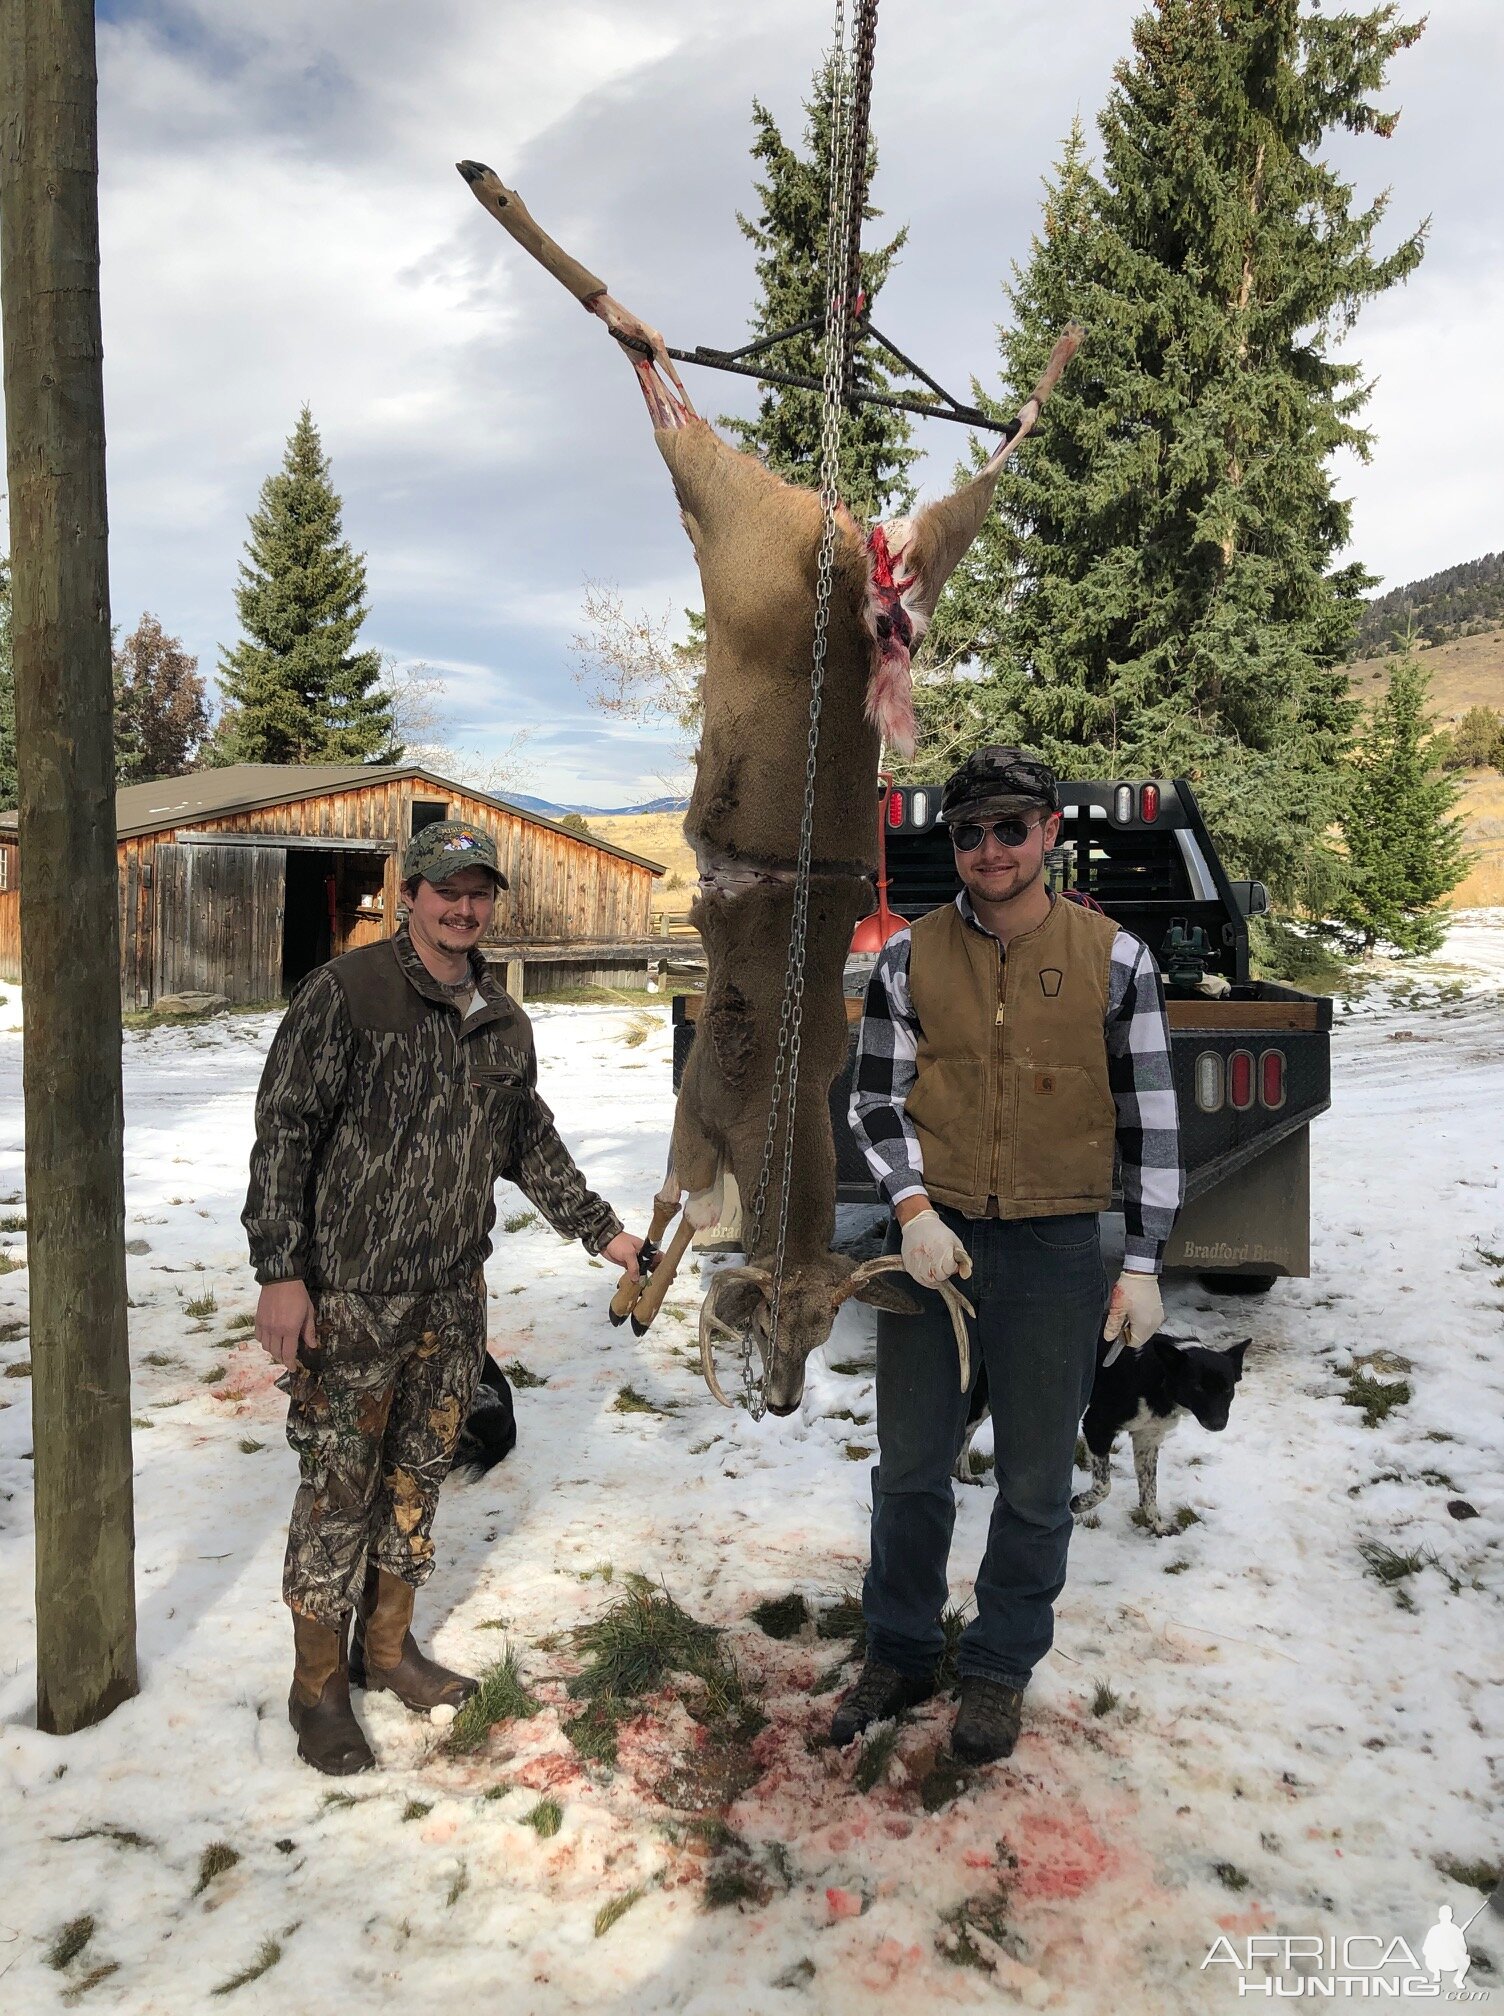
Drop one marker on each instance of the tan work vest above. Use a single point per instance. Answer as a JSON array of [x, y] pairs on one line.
[[1012, 1104]]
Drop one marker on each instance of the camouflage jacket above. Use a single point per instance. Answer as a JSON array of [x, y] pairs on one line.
[[383, 1121]]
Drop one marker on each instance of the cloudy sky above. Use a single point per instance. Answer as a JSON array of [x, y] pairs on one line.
[[282, 222]]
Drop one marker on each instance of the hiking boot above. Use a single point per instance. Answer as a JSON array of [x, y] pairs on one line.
[[881, 1692], [986, 1726], [318, 1705], [384, 1657]]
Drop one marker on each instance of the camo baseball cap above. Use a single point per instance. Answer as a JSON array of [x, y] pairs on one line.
[[447, 847], [998, 783]]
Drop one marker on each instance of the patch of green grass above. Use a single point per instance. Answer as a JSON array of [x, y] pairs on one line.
[[639, 1029], [736, 1882], [201, 1305], [10, 1266], [1176, 1567], [1230, 1876], [630, 1401], [986, 1915], [123, 1837], [978, 1465], [140, 1421], [267, 1956], [160, 1358], [215, 1860], [1103, 1700], [519, 1221], [213, 1377], [1389, 1565], [12, 1224], [643, 1638], [69, 1942], [877, 1754], [520, 1377], [857, 1452], [17, 1327], [593, 1732], [852, 1368], [21, 1369], [618, 1908], [952, 1623], [74, 1995], [417, 1809], [459, 1884], [843, 1619], [1377, 1397], [1475, 1875], [782, 1616], [338, 1801], [245, 1321], [501, 1697], [248, 1445], [494, 1624], [546, 1818]]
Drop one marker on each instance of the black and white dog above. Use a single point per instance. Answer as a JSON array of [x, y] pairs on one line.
[[1144, 1392]]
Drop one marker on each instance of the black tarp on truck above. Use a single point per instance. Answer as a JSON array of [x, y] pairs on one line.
[[1252, 1064]]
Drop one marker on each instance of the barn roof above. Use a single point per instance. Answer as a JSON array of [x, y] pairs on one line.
[[246, 787]]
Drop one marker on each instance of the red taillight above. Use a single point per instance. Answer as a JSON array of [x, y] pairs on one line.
[[1240, 1080], [1272, 1079], [1148, 804], [895, 808]]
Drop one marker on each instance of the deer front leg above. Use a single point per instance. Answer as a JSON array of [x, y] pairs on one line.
[[631, 1287], [668, 403]]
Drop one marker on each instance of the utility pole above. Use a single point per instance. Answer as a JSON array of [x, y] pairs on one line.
[[70, 956]]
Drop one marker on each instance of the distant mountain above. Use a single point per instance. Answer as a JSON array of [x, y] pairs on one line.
[[549, 810], [1458, 602]]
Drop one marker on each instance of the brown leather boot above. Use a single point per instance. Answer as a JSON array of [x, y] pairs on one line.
[[384, 1657], [318, 1706]]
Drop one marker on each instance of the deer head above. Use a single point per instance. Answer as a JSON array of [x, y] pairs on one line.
[[739, 1299]]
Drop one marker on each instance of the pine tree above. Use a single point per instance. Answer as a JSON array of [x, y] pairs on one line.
[[161, 715], [1166, 596], [1404, 846], [789, 236], [300, 689], [10, 789]]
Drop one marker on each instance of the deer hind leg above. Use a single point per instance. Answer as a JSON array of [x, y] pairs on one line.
[[631, 1287]]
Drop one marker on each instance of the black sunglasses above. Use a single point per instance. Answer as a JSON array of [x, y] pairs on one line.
[[1007, 832]]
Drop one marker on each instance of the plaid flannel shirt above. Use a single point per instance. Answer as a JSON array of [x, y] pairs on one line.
[[1138, 1070]]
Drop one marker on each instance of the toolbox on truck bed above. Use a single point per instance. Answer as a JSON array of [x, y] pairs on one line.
[[1251, 1065]]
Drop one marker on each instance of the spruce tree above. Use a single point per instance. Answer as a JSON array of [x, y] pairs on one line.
[[1166, 595], [301, 690], [789, 236], [10, 789], [1404, 846]]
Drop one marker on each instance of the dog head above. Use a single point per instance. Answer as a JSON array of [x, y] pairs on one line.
[[1202, 1380]]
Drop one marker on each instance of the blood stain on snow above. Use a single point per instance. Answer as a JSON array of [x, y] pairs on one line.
[[841, 1903], [1060, 1854]]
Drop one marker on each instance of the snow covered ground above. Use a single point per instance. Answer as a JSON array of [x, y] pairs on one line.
[[1295, 1745]]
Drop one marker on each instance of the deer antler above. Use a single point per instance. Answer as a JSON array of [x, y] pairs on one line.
[[955, 1302], [710, 1322]]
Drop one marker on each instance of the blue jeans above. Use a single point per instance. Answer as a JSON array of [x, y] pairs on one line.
[[1040, 1294]]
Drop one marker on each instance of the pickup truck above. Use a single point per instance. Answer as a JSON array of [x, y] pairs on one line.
[[1251, 1058]]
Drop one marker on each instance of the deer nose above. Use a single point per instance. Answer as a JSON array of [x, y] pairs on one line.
[[783, 1412]]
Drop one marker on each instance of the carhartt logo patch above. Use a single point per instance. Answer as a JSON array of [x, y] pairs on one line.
[[1044, 1081], [1050, 978]]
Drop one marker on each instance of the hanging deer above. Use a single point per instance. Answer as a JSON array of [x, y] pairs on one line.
[[755, 540]]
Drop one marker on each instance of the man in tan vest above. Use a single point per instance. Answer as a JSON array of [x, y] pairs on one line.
[[1011, 1043]]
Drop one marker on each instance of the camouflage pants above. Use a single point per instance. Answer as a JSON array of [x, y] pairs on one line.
[[374, 1415]]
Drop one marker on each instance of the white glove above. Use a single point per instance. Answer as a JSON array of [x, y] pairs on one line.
[[931, 1251], [1134, 1312]]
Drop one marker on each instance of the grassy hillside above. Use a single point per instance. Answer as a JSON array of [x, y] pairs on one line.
[[659, 836]]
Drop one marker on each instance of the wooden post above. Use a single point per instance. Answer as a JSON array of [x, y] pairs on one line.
[[514, 978], [70, 944]]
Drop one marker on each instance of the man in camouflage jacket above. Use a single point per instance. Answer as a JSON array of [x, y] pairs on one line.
[[401, 1084]]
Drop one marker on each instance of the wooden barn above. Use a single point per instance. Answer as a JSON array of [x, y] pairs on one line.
[[239, 881]]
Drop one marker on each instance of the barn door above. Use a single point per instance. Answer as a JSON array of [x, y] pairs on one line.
[[219, 920]]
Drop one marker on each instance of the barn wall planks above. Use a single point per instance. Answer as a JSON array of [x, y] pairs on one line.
[[219, 921]]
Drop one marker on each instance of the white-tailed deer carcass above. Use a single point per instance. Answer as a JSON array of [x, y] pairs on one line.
[[756, 540]]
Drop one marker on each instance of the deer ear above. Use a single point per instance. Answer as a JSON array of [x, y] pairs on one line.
[[885, 1293], [738, 1303]]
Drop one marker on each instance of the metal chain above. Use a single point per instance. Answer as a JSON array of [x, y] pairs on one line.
[[840, 254]]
